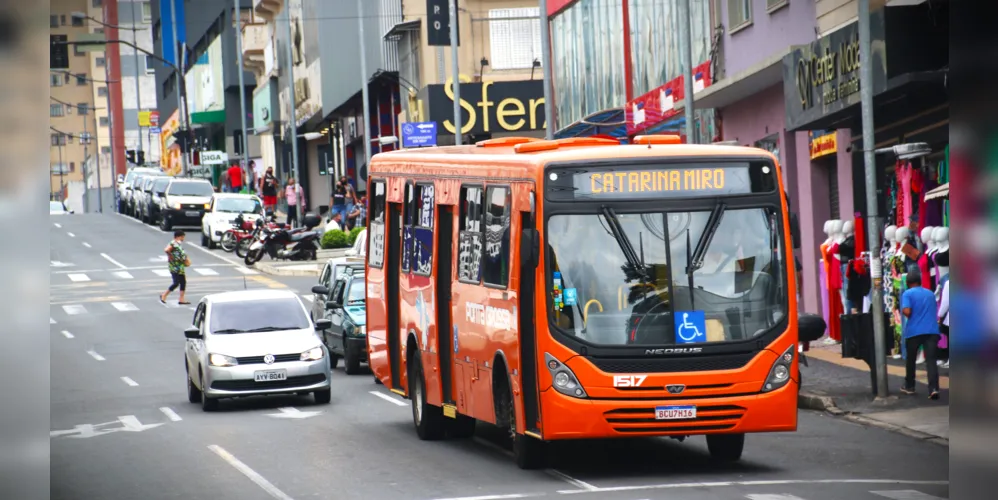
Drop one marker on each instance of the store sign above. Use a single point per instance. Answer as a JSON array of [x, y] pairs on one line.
[[660, 104], [144, 119], [490, 106], [213, 158], [419, 134], [823, 77], [171, 159], [823, 145]]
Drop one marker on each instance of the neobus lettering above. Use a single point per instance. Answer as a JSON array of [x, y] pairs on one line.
[[648, 181]]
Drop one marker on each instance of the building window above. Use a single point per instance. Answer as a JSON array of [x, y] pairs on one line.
[[69, 139], [739, 14], [101, 62], [58, 139], [514, 39], [105, 150], [774, 5], [62, 20], [99, 30], [77, 21], [495, 264], [156, 28], [53, 21], [149, 64], [77, 51], [72, 166], [146, 12], [97, 3], [82, 108], [69, 109], [81, 79], [102, 91], [104, 121], [56, 110], [55, 80]]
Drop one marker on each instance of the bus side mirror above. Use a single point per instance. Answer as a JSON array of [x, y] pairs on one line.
[[810, 327], [795, 230], [530, 247]]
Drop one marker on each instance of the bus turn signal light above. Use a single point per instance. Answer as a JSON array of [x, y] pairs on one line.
[[779, 374], [563, 379]]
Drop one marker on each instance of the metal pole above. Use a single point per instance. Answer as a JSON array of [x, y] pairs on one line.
[[687, 64], [86, 187], [138, 93], [185, 170], [100, 195], [242, 88], [873, 216], [455, 68], [110, 129], [364, 77], [293, 118], [62, 169], [546, 66]]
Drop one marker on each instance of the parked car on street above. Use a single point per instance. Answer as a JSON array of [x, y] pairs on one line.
[[143, 197], [222, 213], [58, 208], [255, 342], [340, 298], [156, 203], [185, 203], [125, 183]]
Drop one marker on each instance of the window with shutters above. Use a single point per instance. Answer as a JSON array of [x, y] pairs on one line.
[[82, 108], [77, 21], [739, 14], [56, 110], [81, 79], [514, 38], [104, 121], [53, 21], [55, 80]]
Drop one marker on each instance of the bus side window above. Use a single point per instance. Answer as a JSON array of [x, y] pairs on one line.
[[407, 220], [376, 226], [496, 265], [422, 254], [469, 255]]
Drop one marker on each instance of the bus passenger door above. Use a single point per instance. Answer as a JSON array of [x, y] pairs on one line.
[[445, 262], [529, 255], [392, 291]]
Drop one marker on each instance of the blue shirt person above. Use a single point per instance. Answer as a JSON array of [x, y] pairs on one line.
[[918, 304]]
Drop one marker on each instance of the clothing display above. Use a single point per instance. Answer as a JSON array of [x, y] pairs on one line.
[[859, 282], [823, 288], [834, 284]]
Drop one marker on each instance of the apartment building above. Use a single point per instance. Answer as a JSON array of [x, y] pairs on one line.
[[138, 81]]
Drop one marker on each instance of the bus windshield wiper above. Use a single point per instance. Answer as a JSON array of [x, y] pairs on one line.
[[713, 222], [635, 263]]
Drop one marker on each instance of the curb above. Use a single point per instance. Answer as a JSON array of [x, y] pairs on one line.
[[283, 271], [826, 404]]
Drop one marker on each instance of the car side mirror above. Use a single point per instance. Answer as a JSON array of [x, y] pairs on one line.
[[320, 290], [323, 324], [795, 229], [810, 327], [332, 304], [193, 333]]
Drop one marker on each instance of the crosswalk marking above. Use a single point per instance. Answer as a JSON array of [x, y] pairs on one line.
[[162, 272], [905, 495], [71, 235], [206, 271], [124, 306], [78, 277], [246, 270], [51, 320], [65, 333], [74, 309], [87, 244], [130, 382], [125, 275], [94, 355]]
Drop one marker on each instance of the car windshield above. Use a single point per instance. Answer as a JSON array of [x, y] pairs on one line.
[[735, 290], [258, 316], [191, 189], [357, 291], [239, 205], [160, 184]]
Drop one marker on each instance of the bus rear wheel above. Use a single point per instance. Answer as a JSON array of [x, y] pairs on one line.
[[428, 419], [726, 447]]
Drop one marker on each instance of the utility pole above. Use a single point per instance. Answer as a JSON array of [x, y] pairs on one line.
[[138, 93], [86, 141], [293, 118], [100, 195], [242, 88], [364, 76], [455, 68], [872, 211], [687, 64], [546, 67], [62, 170], [180, 77]]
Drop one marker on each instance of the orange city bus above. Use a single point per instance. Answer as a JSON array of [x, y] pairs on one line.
[[580, 288]]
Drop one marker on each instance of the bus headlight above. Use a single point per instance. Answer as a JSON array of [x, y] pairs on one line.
[[779, 374], [564, 381]]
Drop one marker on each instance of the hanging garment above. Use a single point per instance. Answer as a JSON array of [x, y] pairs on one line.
[[896, 273], [860, 236], [904, 173], [823, 286], [931, 211], [834, 286], [923, 266], [859, 281]]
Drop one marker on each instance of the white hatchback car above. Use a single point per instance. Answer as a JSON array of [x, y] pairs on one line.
[[255, 342], [222, 212]]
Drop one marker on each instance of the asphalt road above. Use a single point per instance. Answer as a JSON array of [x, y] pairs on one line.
[[122, 427]]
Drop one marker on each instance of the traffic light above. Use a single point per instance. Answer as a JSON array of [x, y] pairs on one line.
[[130, 154], [141, 156]]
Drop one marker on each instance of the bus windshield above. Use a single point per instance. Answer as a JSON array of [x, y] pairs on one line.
[[626, 278]]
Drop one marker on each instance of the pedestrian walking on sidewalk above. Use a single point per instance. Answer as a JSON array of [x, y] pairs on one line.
[[294, 195], [918, 304], [177, 261]]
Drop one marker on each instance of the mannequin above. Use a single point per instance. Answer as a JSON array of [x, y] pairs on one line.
[[824, 271], [925, 264], [889, 235], [834, 278], [940, 237], [895, 274], [846, 252], [886, 254]]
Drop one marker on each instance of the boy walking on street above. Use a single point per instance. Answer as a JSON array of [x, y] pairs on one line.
[[918, 304], [177, 261]]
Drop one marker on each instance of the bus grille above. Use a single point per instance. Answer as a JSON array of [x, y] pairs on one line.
[[709, 418], [702, 363]]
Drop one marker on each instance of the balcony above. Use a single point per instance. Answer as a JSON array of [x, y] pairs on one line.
[[268, 9], [255, 41]]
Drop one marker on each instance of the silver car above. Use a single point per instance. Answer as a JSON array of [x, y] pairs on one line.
[[255, 342]]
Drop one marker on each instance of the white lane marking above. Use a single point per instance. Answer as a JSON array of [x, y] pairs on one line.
[[246, 270], [578, 483], [87, 245], [772, 496], [65, 333], [130, 382], [78, 277], [109, 259], [205, 271], [71, 235], [125, 275], [905, 495], [51, 320], [74, 309], [389, 398], [162, 272], [170, 414], [124, 306], [310, 298], [248, 472], [57, 225], [205, 250], [496, 497], [752, 483], [94, 355]]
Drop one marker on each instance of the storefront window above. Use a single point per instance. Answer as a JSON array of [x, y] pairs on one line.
[[656, 44]]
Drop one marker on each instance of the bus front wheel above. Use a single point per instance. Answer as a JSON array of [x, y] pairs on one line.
[[528, 452], [726, 447]]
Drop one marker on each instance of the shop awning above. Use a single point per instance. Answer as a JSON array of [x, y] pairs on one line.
[[609, 122], [939, 192], [744, 84]]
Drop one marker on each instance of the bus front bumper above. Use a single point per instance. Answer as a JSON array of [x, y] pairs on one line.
[[569, 418]]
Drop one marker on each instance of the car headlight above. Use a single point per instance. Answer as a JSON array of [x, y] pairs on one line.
[[313, 354], [564, 380], [175, 205], [221, 360], [779, 374], [206, 206]]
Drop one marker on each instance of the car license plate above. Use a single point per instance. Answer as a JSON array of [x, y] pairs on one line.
[[675, 412], [270, 375], [192, 213]]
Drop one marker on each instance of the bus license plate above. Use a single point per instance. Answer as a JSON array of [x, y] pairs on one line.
[[270, 375], [675, 412]]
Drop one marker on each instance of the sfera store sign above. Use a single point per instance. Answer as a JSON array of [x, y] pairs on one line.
[[490, 106]]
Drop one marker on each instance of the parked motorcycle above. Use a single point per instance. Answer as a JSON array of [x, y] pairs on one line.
[[285, 244], [241, 235]]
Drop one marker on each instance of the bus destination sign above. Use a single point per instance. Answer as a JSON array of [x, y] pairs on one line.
[[673, 181]]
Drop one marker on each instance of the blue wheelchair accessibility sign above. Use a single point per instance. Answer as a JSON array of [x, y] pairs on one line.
[[691, 327]]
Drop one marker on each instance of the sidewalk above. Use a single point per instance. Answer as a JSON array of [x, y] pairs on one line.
[[842, 387]]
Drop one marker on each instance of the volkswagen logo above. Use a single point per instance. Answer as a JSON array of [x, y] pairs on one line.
[[675, 388], [269, 359]]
